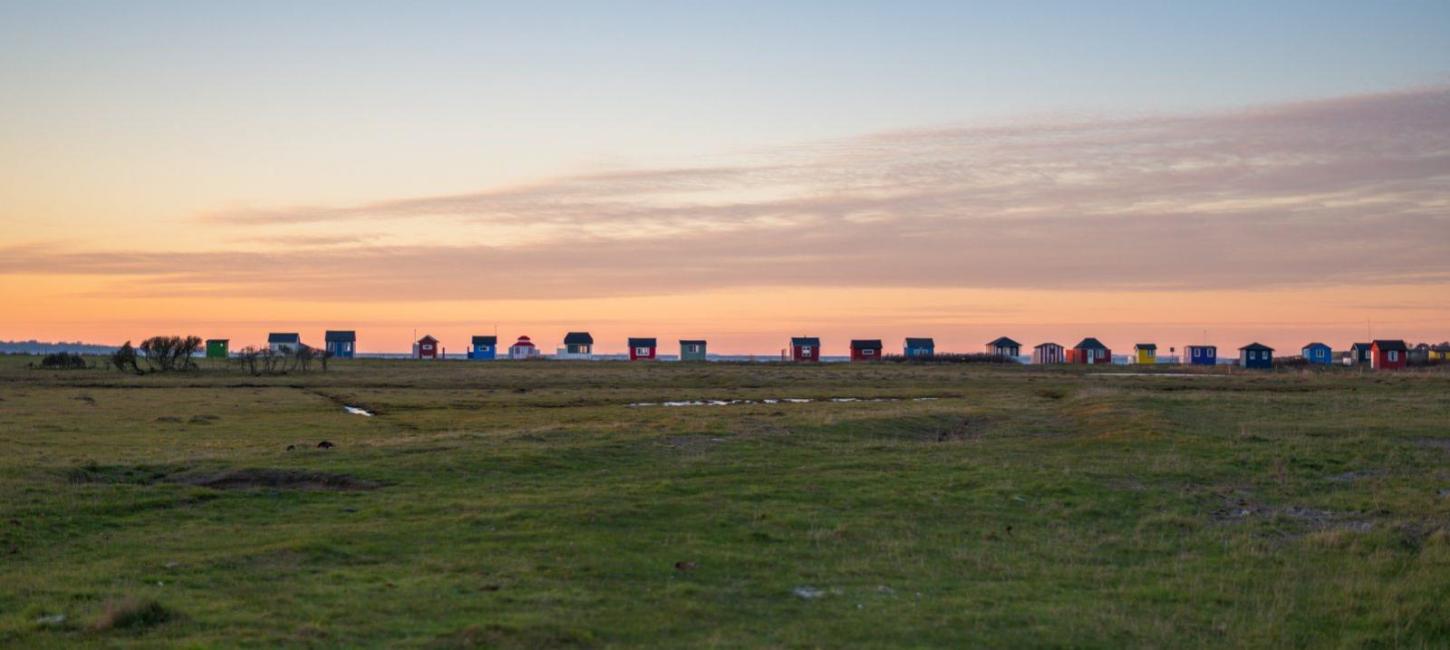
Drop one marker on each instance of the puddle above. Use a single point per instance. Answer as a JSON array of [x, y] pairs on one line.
[[783, 400], [357, 411]]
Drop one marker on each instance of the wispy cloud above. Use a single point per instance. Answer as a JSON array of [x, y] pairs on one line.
[[1343, 191]]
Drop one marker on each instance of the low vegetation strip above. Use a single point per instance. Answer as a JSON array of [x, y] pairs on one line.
[[522, 505]]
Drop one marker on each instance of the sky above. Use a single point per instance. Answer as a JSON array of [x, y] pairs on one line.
[[743, 172]]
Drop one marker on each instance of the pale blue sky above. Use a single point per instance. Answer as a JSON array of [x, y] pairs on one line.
[[455, 96]]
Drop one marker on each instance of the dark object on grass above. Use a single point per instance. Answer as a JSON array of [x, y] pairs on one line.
[[685, 565], [325, 445], [131, 612], [291, 447]]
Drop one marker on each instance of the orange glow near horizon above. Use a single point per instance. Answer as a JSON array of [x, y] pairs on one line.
[[750, 320]]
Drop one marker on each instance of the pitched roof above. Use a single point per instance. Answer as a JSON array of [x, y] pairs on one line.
[[805, 340], [485, 340], [920, 343], [1146, 346], [1045, 345], [1359, 346], [641, 343], [283, 337], [1201, 347], [1391, 344], [578, 338], [340, 336], [1090, 343], [1257, 347], [692, 341], [429, 338], [1315, 344], [1004, 342], [865, 344]]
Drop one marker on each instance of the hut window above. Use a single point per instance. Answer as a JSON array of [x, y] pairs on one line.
[[1394, 355]]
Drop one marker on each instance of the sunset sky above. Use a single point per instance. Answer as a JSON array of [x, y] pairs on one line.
[[741, 172]]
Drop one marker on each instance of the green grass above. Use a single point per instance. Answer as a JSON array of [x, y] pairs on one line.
[[527, 505]]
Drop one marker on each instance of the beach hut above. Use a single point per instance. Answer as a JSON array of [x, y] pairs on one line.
[[1359, 354], [426, 348], [1090, 351], [1200, 355], [1048, 353], [283, 342], [577, 345], [692, 350], [523, 349], [1256, 355], [1420, 354], [1388, 354], [483, 348], [1145, 353], [805, 348], [919, 348], [341, 344], [1318, 353], [865, 349], [217, 348], [1440, 352], [641, 349], [1004, 347]]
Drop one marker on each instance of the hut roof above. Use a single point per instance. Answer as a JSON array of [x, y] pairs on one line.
[[578, 338], [641, 343]]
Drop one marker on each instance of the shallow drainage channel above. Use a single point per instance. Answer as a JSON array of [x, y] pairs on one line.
[[784, 400]]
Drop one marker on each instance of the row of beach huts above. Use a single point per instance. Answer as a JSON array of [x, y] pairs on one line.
[[1381, 354]]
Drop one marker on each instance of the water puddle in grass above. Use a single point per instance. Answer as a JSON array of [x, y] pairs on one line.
[[783, 400], [357, 411]]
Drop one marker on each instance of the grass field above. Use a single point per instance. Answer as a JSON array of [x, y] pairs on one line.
[[530, 505]]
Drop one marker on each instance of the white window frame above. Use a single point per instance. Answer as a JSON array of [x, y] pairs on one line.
[[641, 352], [867, 352]]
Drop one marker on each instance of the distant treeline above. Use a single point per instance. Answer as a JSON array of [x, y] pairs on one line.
[[42, 347]]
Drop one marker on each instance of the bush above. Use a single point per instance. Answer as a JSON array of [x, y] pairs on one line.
[[63, 361], [124, 359], [166, 353]]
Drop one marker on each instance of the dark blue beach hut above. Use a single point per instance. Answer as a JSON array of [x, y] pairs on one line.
[[1200, 355], [1256, 355], [341, 344]]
